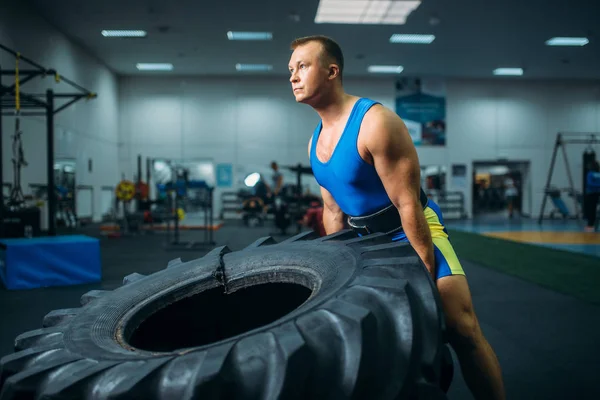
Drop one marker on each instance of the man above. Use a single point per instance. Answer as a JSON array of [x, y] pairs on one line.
[[511, 194], [276, 180], [366, 163]]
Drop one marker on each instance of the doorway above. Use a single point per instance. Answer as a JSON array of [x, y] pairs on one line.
[[502, 188]]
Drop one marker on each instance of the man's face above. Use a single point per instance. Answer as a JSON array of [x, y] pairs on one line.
[[308, 75]]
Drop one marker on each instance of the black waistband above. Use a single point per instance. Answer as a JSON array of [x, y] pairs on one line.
[[384, 221]]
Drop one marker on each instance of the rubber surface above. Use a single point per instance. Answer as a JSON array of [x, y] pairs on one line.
[[370, 329]]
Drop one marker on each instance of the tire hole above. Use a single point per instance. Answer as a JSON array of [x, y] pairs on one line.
[[212, 316]]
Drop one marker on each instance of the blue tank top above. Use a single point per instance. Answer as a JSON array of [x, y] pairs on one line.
[[353, 183]]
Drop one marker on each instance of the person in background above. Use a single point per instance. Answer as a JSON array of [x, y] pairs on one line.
[[313, 218], [511, 193], [276, 181], [592, 193]]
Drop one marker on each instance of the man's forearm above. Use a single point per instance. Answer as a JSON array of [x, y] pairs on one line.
[[418, 234], [333, 222]]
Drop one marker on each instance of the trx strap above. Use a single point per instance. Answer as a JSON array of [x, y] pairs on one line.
[[16, 194]]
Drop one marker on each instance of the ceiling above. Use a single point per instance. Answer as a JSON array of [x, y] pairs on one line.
[[472, 37]]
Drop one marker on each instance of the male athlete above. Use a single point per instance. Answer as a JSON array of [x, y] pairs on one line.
[[367, 166]]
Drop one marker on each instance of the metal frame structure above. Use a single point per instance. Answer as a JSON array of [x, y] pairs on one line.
[[40, 105], [562, 139]]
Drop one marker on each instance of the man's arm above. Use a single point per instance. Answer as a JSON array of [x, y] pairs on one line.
[[333, 217], [392, 152]]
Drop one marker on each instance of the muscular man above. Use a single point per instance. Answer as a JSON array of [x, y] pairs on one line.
[[366, 163]]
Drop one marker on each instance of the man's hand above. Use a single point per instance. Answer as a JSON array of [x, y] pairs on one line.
[[385, 142]]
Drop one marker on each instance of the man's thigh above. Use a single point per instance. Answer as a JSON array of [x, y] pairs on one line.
[[446, 260]]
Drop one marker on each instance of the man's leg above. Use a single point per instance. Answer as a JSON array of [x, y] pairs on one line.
[[478, 362]]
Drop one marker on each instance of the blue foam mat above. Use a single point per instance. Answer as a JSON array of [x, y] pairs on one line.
[[49, 261]]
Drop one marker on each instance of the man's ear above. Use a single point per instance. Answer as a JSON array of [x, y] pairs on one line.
[[334, 71]]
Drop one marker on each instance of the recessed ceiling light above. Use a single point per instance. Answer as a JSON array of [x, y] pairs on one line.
[[384, 12], [385, 69], [567, 41], [124, 33], [509, 71], [253, 67], [409, 38], [154, 67], [249, 35]]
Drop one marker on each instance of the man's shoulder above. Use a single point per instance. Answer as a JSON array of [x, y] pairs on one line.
[[378, 117]]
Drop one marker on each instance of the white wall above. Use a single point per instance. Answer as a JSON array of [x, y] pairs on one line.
[[86, 130], [519, 120], [255, 120]]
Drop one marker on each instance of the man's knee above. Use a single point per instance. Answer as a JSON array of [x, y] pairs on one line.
[[461, 322], [463, 329]]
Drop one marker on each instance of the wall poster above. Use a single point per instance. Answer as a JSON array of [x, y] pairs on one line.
[[421, 103]]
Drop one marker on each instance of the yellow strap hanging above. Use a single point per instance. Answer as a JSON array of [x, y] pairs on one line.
[[17, 89]]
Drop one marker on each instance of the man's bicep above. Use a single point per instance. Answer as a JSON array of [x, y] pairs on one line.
[[396, 161]]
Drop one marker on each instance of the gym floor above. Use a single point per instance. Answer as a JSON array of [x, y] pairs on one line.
[[546, 341], [558, 234]]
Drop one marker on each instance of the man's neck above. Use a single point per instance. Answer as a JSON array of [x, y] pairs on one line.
[[333, 107]]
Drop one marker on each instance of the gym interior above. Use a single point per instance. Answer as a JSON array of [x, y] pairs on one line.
[[161, 225]]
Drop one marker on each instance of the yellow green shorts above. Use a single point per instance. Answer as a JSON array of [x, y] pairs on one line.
[[446, 261]]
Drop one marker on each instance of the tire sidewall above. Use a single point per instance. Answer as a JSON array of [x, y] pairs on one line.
[[100, 331]]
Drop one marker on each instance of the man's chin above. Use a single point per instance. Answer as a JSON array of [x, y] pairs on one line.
[[300, 98]]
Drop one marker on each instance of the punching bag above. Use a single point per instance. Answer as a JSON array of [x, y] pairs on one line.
[[589, 156]]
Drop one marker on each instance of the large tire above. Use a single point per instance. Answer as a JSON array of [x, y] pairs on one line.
[[309, 318]]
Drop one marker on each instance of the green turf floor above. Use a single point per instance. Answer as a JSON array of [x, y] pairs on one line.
[[566, 272]]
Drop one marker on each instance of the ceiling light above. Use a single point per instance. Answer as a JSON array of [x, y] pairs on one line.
[[121, 33], [154, 67], [249, 35], [253, 67], [567, 41], [388, 12], [419, 39], [509, 71], [385, 69]]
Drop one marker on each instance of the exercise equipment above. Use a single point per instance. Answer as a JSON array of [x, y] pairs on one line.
[[50, 261], [589, 157], [142, 191], [204, 321], [125, 190], [41, 105], [253, 211], [563, 139], [176, 192]]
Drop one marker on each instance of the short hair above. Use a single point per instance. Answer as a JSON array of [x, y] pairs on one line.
[[330, 48]]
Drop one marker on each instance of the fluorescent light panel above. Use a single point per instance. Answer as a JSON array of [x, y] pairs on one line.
[[385, 69], [567, 41], [123, 33], [509, 71], [409, 38], [249, 35], [384, 12], [154, 67], [253, 67]]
